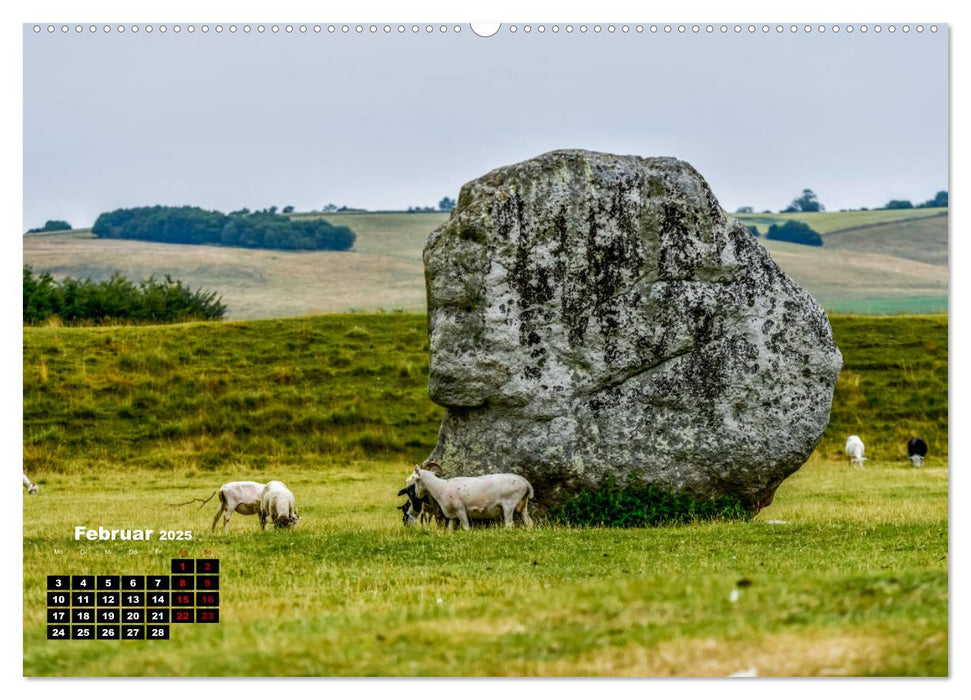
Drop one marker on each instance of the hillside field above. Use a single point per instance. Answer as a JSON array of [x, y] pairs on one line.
[[845, 574], [871, 262]]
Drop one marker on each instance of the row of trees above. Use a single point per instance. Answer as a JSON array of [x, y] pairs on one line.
[[52, 225], [939, 200], [115, 300], [809, 202], [196, 226], [446, 204]]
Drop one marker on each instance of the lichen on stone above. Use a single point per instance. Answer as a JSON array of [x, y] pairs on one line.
[[591, 316]]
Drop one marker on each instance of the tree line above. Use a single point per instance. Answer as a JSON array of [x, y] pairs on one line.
[[52, 225], [243, 228], [115, 300], [809, 202]]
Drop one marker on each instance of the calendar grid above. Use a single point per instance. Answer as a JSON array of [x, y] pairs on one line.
[[132, 606]]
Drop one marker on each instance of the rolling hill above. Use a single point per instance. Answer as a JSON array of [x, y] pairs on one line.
[[871, 262]]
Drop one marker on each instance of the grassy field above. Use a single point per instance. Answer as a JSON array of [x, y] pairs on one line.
[[897, 256], [831, 222], [382, 271], [923, 240], [853, 582], [120, 420], [267, 394]]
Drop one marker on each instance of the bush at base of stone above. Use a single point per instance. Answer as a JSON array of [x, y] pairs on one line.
[[637, 504]]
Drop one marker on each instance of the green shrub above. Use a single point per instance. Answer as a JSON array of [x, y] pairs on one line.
[[794, 232], [115, 300], [52, 225], [639, 504]]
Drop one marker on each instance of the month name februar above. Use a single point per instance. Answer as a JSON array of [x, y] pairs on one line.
[[82, 532]]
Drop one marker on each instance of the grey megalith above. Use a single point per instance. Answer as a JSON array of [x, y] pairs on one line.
[[593, 315]]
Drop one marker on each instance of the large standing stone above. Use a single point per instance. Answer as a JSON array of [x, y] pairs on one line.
[[592, 315]]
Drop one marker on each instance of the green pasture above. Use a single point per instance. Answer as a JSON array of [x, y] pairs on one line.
[[888, 306], [201, 397], [846, 573]]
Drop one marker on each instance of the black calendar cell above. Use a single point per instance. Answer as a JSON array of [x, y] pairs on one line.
[[133, 583], [183, 566], [82, 599], [132, 616], [207, 600], [130, 606], [157, 632], [108, 632], [108, 599], [133, 632], [108, 583], [58, 583], [82, 632], [207, 583], [58, 600], [207, 615], [58, 616], [82, 616], [109, 616], [157, 599], [82, 583], [157, 583], [58, 631], [182, 615], [158, 616], [207, 566]]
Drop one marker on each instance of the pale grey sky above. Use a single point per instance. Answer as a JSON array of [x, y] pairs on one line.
[[387, 121]]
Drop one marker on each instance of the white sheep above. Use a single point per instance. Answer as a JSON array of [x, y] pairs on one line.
[[29, 485], [854, 450], [277, 504], [476, 497], [241, 497]]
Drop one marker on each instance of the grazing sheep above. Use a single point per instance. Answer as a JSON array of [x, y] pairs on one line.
[[420, 510], [476, 497], [241, 497], [29, 485], [854, 450], [916, 450], [277, 504]]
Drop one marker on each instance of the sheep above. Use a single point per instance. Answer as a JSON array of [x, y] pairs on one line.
[[421, 509], [29, 485], [476, 497], [854, 450], [916, 450], [241, 497], [277, 504]]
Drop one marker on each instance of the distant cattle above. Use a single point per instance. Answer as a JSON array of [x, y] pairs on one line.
[[29, 485], [916, 450], [854, 450]]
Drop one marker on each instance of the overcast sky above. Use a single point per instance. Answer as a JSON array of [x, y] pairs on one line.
[[390, 121]]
